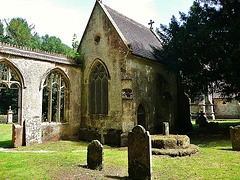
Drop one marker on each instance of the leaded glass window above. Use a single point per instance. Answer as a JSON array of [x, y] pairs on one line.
[[54, 97], [10, 90], [98, 88]]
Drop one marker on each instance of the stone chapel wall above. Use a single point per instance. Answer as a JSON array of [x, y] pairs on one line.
[[110, 51], [156, 89]]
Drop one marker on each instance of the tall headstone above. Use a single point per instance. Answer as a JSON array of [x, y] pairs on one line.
[[139, 154], [235, 137], [10, 116], [95, 155], [166, 128]]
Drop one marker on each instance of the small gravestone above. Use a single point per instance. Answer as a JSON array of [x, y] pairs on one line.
[[17, 135], [166, 128], [139, 154], [201, 120], [10, 116], [95, 155], [235, 137]]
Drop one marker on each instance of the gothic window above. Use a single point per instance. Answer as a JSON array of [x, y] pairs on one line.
[[55, 97], [98, 88], [10, 90]]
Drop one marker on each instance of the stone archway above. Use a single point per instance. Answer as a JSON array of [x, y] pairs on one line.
[[11, 84]]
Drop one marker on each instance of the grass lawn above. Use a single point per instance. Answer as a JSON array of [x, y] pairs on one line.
[[61, 160]]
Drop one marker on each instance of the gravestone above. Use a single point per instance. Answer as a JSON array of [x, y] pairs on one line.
[[95, 155], [10, 116], [166, 128], [102, 133], [201, 120], [235, 137], [139, 154], [17, 135]]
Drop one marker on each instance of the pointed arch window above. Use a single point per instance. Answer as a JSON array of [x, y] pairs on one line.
[[10, 89], [98, 87], [141, 116], [55, 97]]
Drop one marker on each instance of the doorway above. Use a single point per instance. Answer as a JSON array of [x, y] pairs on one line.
[[141, 116]]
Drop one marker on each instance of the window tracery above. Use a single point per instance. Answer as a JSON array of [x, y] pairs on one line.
[[98, 86], [55, 97], [11, 89]]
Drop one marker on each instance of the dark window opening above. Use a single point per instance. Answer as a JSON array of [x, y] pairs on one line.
[[98, 88]]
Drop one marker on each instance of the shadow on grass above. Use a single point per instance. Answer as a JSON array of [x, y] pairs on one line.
[[228, 149], [117, 177], [6, 144], [107, 176], [83, 166]]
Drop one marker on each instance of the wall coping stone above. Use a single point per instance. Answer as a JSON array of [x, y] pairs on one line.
[[35, 54]]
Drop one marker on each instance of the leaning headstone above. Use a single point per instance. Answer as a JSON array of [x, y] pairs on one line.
[[95, 155], [235, 137], [139, 154], [17, 135], [10, 116], [165, 128]]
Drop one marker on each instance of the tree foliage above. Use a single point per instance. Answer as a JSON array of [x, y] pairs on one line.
[[19, 32], [204, 47]]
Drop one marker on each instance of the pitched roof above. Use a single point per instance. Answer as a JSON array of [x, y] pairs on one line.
[[141, 38]]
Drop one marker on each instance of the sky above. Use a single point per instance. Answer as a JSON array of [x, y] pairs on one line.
[[64, 18]]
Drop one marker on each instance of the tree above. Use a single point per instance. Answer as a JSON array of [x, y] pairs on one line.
[[54, 44], [204, 48], [1, 31], [19, 32]]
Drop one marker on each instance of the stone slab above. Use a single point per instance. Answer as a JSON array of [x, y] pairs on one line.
[[192, 149], [17, 135], [235, 137]]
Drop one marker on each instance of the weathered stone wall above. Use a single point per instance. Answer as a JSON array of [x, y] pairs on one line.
[[228, 109], [156, 90], [33, 72], [133, 80], [111, 51]]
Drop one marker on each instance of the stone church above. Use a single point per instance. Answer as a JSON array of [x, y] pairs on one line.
[[118, 85]]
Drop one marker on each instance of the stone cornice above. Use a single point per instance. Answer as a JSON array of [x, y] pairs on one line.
[[35, 54]]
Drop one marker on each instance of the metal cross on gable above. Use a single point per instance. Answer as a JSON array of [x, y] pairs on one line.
[[151, 23]]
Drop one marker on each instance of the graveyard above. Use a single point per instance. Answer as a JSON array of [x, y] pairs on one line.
[[128, 103], [68, 159]]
